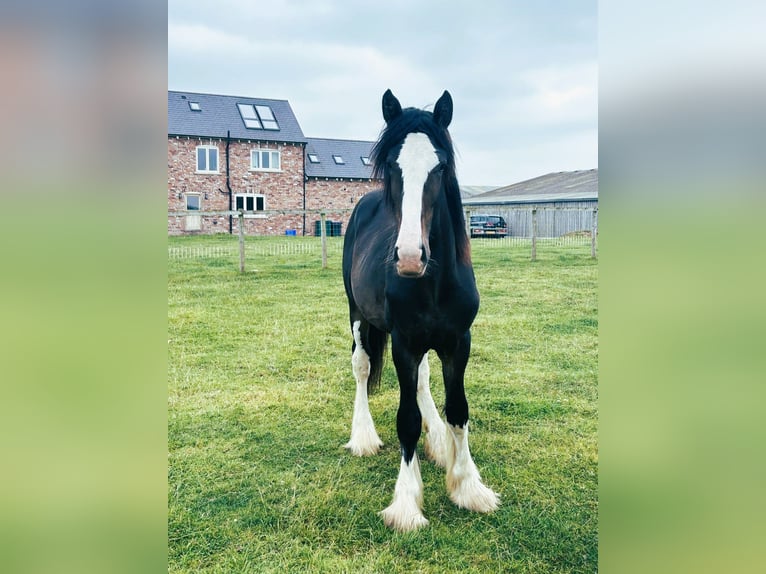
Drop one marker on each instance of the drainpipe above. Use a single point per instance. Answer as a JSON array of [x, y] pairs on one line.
[[304, 189], [228, 183]]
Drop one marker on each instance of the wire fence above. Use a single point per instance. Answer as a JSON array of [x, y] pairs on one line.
[[251, 246], [580, 239], [256, 246]]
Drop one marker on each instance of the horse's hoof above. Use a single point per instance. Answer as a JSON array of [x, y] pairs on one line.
[[472, 495], [403, 518], [364, 448]]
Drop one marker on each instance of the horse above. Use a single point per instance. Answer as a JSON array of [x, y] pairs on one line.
[[407, 273]]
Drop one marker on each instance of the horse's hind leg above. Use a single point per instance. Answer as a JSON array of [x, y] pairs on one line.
[[364, 438], [464, 484], [436, 432]]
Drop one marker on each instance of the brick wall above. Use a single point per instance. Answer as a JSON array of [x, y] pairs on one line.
[[282, 190], [332, 194]]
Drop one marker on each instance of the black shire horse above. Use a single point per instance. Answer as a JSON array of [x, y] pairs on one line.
[[407, 271]]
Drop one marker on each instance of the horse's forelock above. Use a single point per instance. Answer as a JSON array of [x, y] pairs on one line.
[[411, 120]]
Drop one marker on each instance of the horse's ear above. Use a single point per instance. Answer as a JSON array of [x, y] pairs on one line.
[[391, 106], [443, 110]]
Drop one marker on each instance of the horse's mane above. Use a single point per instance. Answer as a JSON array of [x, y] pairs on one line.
[[413, 120]]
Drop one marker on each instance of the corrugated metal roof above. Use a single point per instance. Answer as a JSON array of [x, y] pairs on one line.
[[220, 113], [559, 186], [351, 151], [472, 190]]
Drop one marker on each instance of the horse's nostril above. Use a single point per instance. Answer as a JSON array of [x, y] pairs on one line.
[[396, 254]]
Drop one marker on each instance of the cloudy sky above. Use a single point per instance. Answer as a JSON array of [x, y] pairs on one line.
[[523, 75]]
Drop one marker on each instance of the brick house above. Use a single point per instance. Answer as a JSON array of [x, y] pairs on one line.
[[338, 173], [228, 152]]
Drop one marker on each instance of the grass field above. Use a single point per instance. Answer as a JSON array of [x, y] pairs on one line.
[[260, 397]]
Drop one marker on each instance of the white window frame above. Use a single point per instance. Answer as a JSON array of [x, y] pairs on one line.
[[209, 148], [260, 151], [189, 194], [254, 213]]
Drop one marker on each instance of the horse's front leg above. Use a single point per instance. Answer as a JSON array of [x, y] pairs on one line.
[[464, 483], [406, 510]]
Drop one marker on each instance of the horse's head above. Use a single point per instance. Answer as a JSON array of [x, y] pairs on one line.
[[415, 156]]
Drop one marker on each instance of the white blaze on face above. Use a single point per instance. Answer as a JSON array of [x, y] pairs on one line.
[[416, 160]]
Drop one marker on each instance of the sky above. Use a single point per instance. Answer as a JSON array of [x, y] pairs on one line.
[[523, 75]]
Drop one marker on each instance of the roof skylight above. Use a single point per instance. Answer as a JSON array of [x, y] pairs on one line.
[[338, 159], [366, 160], [258, 117], [267, 118], [195, 107], [313, 158]]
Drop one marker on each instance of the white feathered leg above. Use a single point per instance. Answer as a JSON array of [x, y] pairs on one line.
[[364, 438], [436, 431], [405, 512], [463, 481]]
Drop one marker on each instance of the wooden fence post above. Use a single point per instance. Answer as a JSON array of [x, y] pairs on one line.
[[468, 223], [241, 241], [324, 240], [593, 233], [534, 234]]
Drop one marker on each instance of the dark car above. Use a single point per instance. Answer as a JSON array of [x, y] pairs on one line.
[[488, 226]]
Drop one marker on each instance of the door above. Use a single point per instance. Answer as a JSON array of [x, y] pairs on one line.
[[193, 220]]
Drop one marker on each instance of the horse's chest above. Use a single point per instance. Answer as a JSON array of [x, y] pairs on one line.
[[428, 317]]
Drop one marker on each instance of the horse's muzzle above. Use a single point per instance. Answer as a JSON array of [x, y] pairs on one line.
[[410, 262]]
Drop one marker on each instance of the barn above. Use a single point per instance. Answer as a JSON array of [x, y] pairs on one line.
[[564, 202]]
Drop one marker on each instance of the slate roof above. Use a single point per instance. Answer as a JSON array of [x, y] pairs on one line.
[[350, 150], [220, 113], [559, 186]]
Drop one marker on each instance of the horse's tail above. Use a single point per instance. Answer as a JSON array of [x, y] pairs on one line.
[[377, 341]]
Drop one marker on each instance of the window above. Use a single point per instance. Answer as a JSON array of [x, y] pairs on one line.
[[313, 158], [192, 202], [249, 116], [195, 107], [366, 160], [338, 159], [249, 202], [207, 159], [258, 117], [267, 118], [265, 160]]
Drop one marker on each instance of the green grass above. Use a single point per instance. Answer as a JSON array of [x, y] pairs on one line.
[[260, 400]]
